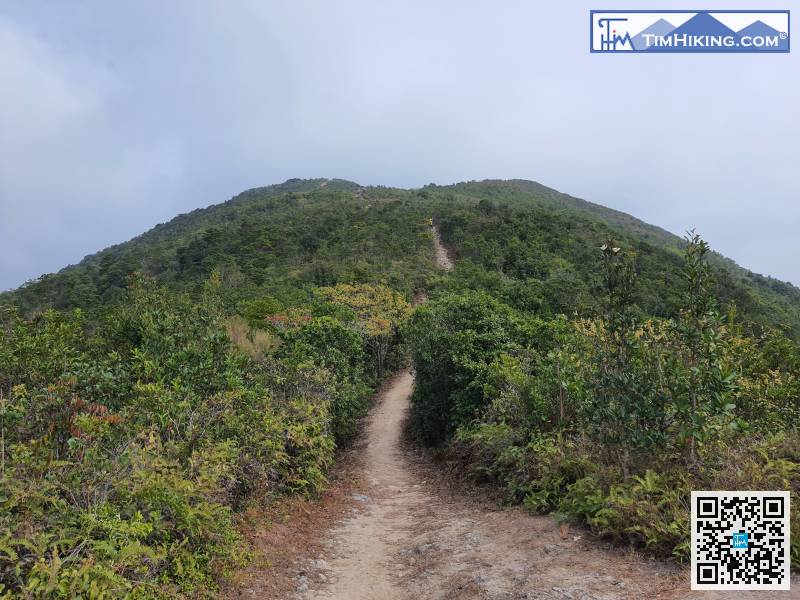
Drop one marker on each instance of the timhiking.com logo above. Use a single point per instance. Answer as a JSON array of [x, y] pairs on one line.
[[689, 31]]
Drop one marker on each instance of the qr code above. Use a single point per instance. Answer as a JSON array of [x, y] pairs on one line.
[[740, 540]]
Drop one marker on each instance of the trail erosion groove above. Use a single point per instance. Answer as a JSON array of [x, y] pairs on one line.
[[443, 259]]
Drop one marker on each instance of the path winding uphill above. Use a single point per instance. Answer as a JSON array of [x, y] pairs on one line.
[[442, 256], [412, 537], [409, 535]]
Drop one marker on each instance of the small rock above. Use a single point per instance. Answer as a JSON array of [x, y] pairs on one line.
[[320, 564], [424, 548], [361, 497]]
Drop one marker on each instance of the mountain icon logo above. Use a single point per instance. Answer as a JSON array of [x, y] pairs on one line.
[[652, 31]]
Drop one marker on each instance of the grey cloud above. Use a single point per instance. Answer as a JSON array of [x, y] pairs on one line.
[[116, 116]]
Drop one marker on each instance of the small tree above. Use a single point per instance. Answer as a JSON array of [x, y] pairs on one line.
[[707, 385], [612, 410], [379, 312]]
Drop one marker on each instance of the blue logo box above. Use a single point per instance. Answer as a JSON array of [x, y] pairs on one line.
[[682, 31], [740, 540]]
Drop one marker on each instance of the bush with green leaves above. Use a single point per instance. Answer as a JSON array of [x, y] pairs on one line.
[[611, 420], [131, 441], [339, 349], [454, 341]]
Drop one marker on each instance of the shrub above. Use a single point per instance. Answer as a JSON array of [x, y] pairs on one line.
[[454, 341], [339, 349], [130, 442], [611, 421]]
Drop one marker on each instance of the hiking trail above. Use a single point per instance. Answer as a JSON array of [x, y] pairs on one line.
[[410, 535]]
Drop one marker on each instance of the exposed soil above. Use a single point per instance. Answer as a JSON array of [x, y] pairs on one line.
[[442, 256], [416, 537], [286, 534]]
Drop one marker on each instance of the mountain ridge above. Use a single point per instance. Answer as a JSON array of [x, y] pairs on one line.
[[304, 234]]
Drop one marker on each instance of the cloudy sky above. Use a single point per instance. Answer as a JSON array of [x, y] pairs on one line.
[[117, 116]]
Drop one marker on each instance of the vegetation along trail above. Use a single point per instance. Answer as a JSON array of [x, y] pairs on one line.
[[413, 537]]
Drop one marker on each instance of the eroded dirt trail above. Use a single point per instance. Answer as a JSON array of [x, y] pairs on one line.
[[411, 538], [365, 545], [442, 256]]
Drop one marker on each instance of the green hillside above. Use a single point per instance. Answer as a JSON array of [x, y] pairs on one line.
[[280, 239], [533, 245], [537, 248], [523, 194]]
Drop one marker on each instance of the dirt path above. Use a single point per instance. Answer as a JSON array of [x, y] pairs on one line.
[[364, 545], [442, 256], [414, 541], [412, 538]]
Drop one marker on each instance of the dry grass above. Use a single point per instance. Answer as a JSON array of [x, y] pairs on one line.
[[256, 343]]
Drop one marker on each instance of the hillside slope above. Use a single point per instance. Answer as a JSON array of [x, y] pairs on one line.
[[537, 249], [276, 240], [141, 433], [534, 246]]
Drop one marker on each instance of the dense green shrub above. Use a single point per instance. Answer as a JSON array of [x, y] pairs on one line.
[[454, 341], [612, 420], [329, 343], [129, 442]]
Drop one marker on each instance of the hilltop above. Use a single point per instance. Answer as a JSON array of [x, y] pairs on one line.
[[534, 246]]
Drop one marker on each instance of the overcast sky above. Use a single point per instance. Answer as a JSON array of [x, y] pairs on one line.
[[115, 116]]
